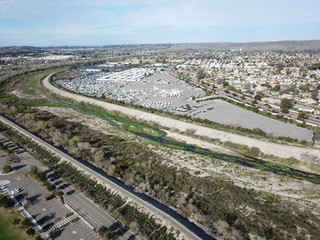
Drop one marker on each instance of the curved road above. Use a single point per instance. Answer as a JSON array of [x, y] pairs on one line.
[[187, 229], [279, 150]]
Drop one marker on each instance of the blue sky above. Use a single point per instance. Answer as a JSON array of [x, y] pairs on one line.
[[104, 22]]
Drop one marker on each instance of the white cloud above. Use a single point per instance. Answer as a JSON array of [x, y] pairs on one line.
[[111, 18]]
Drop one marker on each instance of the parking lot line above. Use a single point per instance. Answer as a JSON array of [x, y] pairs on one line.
[[80, 227], [86, 234]]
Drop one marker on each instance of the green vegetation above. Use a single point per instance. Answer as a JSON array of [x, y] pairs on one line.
[[106, 233], [9, 226], [143, 169], [277, 88], [26, 223], [314, 66], [71, 136], [257, 97], [138, 163], [33, 170], [316, 134], [254, 151], [69, 214], [201, 74], [30, 231], [285, 105], [42, 178], [6, 168], [302, 116], [6, 202], [126, 213], [5, 149], [273, 196]]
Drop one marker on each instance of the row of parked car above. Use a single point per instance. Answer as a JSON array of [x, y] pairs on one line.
[[5, 190], [11, 146]]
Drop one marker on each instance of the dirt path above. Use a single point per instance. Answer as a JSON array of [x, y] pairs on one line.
[[265, 147]]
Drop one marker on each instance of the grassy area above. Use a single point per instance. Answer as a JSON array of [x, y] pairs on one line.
[[9, 231], [30, 85]]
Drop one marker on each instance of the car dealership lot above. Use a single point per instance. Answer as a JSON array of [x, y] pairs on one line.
[[165, 92]]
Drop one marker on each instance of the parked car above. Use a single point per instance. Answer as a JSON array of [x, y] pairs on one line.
[[16, 190]]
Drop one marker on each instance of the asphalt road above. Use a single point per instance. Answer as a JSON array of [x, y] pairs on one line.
[[188, 229], [92, 213], [87, 209], [41, 210]]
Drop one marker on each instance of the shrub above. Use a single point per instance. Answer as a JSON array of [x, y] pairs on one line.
[[41, 176], [106, 233], [26, 223], [51, 187], [16, 221], [6, 202], [34, 169], [6, 168], [30, 231], [254, 151]]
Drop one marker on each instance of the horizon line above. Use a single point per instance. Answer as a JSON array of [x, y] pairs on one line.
[[180, 43]]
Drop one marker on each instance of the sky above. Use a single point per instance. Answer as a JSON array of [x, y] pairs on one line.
[[108, 22]]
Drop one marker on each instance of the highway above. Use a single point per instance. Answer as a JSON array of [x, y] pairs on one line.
[[186, 228], [42, 211]]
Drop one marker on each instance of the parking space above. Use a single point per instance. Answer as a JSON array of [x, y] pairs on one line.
[[75, 219], [79, 231], [49, 212], [33, 196], [154, 90], [165, 92]]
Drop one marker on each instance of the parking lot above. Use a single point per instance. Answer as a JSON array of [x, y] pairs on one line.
[[45, 212], [159, 90], [226, 113], [74, 220], [165, 92]]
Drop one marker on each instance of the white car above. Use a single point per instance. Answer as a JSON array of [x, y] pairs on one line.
[[16, 190]]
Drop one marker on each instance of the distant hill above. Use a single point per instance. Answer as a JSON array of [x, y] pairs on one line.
[[304, 45], [16, 51], [253, 46]]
